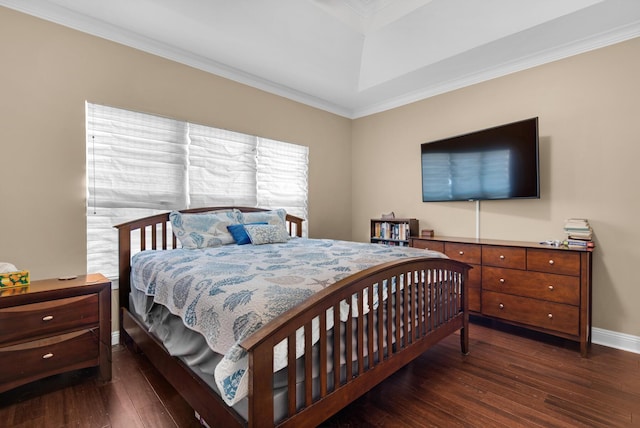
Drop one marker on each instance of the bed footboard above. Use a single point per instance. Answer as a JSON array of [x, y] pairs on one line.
[[395, 311]]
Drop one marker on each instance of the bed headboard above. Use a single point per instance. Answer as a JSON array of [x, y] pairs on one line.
[[154, 235]]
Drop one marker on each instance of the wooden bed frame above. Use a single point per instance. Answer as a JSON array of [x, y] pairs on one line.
[[427, 314]]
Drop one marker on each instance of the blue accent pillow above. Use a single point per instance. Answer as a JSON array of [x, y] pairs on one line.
[[239, 233]]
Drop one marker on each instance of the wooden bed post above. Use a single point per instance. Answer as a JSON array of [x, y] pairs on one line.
[[464, 331], [124, 279]]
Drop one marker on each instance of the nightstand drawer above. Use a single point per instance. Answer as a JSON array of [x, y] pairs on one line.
[[537, 313], [545, 286], [467, 253], [40, 358], [558, 261], [508, 257], [45, 318]]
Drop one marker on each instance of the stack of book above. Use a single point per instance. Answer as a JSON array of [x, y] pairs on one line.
[[579, 233]]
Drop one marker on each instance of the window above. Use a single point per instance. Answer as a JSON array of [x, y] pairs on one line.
[[139, 164]]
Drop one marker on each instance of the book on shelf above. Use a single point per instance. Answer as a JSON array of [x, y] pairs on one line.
[[392, 230]]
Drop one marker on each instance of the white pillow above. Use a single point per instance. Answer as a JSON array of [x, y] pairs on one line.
[[266, 233], [276, 217], [201, 230]]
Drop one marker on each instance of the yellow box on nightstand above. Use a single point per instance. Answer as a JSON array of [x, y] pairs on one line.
[[14, 279]]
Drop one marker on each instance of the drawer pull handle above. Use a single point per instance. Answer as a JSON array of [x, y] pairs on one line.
[[551, 288], [501, 257], [550, 316], [47, 356], [501, 306], [47, 318], [501, 280], [461, 253], [551, 262]]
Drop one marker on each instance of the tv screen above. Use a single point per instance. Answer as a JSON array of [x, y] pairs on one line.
[[495, 163]]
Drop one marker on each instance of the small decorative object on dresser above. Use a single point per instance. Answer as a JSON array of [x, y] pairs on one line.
[[54, 326], [426, 233], [394, 231], [528, 284]]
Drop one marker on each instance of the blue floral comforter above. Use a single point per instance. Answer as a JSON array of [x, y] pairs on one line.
[[227, 293]]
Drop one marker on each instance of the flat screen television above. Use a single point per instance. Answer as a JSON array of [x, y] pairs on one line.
[[496, 163]]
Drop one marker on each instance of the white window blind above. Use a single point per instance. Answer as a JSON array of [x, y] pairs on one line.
[[282, 175], [140, 164], [222, 167]]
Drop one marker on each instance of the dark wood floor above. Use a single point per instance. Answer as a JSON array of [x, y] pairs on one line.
[[508, 380]]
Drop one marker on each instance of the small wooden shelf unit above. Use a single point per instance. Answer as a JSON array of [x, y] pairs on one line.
[[396, 231], [527, 284], [53, 326]]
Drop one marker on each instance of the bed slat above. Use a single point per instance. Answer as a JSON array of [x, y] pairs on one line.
[[291, 373], [337, 332], [322, 365], [308, 364], [360, 331]]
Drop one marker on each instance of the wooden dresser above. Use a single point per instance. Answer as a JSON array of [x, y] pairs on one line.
[[531, 285], [53, 326]]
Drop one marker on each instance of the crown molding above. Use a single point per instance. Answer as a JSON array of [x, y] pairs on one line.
[[560, 52], [68, 18]]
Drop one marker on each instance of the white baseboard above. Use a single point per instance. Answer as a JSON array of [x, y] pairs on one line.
[[613, 339], [115, 338]]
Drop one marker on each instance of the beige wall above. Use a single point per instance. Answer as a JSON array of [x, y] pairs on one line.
[[589, 110], [48, 71]]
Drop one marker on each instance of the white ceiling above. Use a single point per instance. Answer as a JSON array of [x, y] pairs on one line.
[[352, 57]]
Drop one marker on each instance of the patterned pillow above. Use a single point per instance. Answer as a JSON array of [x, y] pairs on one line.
[[266, 234], [278, 216], [240, 234], [203, 230]]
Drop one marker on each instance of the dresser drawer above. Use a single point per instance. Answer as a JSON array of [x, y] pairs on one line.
[[467, 253], [554, 261], [428, 245], [545, 286], [24, 322], [508, 257], [537, 313], [33, 360]]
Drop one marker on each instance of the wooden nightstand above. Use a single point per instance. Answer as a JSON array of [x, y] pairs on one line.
[[54, 326]]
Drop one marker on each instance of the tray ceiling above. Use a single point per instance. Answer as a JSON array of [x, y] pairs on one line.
[[352, 57]]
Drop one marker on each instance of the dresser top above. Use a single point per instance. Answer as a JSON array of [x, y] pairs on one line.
[[501, 242]]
